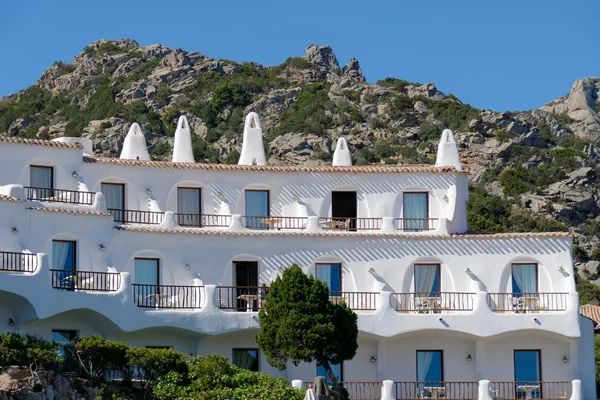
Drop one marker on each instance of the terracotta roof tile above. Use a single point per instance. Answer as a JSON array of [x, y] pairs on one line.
[[5, 197], [213, 232], [591, 311], [69, 211], [38, 142], [365, 169]]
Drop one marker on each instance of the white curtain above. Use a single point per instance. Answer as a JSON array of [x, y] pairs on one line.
[[188, 201], [40, 177], [146, 271], [324, 274], [415, 211], [114, 199], [257, 205], [60, 252], [330, 274], [423, 363], [425, 279], [243, 359], [524, 276]]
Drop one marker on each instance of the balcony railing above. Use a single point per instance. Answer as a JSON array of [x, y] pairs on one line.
[[363, 390], [531, 390], [437, 390], [85, 280], [415, 224], [358, 301], [241, 298], [433, 303], [167, 296], [350, 224], [59, 195], [203, 220], [275, 223], [527, 302], [137, 216], [17, 262]]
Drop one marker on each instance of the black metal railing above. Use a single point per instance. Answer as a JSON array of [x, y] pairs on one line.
[[137, 216], [531, 390], [275, 223], [433, 303], [203, 220], [527, 302], [85, 280], [167, 296], [241, 298], [358, 301], [436, 390], [415, 224], [17, 262], [59, 195], [350, 224]]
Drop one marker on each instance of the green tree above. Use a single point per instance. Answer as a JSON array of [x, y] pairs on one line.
[[300, 324], [97, 355], [150, 364], [487, 212]]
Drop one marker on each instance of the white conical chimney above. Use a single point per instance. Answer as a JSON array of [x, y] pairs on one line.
[[447, 154], [341, 155], [182, 149], [134, 146], [253, 151]]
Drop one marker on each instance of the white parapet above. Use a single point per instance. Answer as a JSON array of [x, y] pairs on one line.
[[253, 150], [85, 143], [341, 155], [386, 390], [134, 146], [182, 149], [447, 154]]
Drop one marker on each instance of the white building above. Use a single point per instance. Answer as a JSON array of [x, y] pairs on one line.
[[174, 254]]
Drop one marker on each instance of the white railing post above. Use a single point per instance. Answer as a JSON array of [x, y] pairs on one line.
[[386, 390], [484, 390], [297, 384], [576, 390]]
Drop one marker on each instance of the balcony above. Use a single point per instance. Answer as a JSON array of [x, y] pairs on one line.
[[531, 390], [241, 298], [137, 216], [59, 195], [357, 301], [203, 220], [17, 262], [432, 303], [522, 303], [275, 223], [167, 296], [85, 280], [436, 390], [350, 224], [415, 224]]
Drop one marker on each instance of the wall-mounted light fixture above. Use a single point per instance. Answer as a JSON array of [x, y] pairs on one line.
[[468, 271], [188, 267], [295, 198], [220, 195], [469, 358], [101, 247], [148, 191], [371, 270], [373, 359], [562, 270], [565, 359], [445, 198], [11, 322], [74, 174], [15, 231]]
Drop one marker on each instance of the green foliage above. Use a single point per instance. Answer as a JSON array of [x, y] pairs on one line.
[[504, 136], [295, 62], [563, 119], [453, 114], [397, 84], [428, 131], [487, 212], [596, 254], [580, 254], [597, 358], [400, 106], [27, 350], [545, 132], [30, 102], [588, 292], [62, 68], [97, 355], [105, 48], [515, 181], [150, 364], [300, 324], [172, 386], [547, 224]]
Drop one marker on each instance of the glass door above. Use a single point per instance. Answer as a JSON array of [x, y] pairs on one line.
[[257, 209], [41, 179], [528, 374], [331, 274], [114, 193], [189, 206], [245, 280], [430, 373], [64, 261], [416, 211], [146, 278]]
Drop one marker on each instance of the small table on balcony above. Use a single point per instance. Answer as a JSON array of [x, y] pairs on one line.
[[531, 303], [335, 224], [528, 389], [78, 281], [431, 302], [271, 222], [435, 391], [158, 298], [250, 299]]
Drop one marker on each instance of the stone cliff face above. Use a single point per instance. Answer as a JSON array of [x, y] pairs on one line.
[[542, 162]]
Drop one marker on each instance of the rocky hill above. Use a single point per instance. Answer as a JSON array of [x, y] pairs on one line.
[[532, 170]]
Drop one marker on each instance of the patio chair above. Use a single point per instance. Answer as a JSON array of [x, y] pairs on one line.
[[422, 307]]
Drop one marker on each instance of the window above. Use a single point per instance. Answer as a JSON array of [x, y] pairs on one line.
[[114, 193], [189, 206], [62, 337], [64, 261], [42, 179], [524, 278], [416, 211], [430, 366], [335, 368], [528, 373], [257, 208], [331, 274], [146, 277], [344, 209], [245, 280], [246, 359], [427, 280]]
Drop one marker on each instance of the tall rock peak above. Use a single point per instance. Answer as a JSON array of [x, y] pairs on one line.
[[353, 70], [323, 56]]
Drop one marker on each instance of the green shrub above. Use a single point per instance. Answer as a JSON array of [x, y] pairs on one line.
[[563, 119], [400, 106], [516, 181], [63, 68], [150, 364], [588, 292], [397, 84], [98, 356], [428, 131], [27, 350], [547, 224], [172, 386], [596, 254], [487, 212], [453, 114], [504, 136], [579, 253]]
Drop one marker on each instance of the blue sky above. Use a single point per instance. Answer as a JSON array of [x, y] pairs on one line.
[[500, 55]]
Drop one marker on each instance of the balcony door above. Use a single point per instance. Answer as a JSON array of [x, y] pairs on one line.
[[528, 374], [331, 275], [114, 194], [524, 279], [42, 179], [189, 206], [430, 369], [146, 275], [245, 280], [416, 211], [64, 260], [344, 208], [335, 368], [427, 280], [257, 209]]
